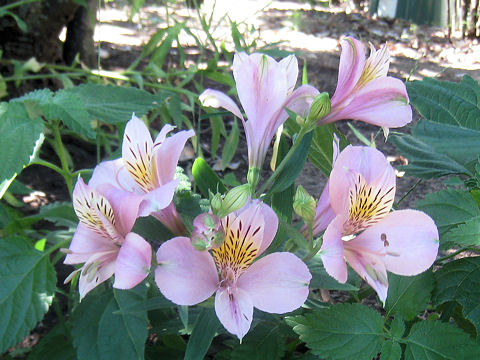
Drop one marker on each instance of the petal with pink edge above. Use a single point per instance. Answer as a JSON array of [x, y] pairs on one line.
[[162, 135], [184, 275], [261, 86], [371, 268], [158, 199], [133, 262], [410, 240], [332, 250], [217, 99], [290, 64], [86, 242], [270, 227], [167, 154], [277, 283], [382, 102], [323, 213], [352, 62], [114, 173], [234, 310]]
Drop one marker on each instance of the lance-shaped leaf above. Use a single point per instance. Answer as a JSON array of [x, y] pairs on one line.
[[27, 281], [327, 331], [202, 334], [321, 150]]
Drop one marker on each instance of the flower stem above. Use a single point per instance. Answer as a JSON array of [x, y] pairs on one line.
[[61, 152], [449, 256], [284, 161]]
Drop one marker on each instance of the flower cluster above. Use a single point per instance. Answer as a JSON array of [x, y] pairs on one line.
[[224, 254]]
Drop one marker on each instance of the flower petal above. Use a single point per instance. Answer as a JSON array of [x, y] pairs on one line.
[[410, 241], [167, 154], [290, 64], [234, 310], [352, 62], [382, 102], [114, 173], [133, 262], [184, 275], [323, 213], [270, 227], [157, 199], [332, 250], [277, 283], [217, 99], [105, 271]]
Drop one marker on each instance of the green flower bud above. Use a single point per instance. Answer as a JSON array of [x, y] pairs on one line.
[[234, 200], [320, 108], [304, 205]]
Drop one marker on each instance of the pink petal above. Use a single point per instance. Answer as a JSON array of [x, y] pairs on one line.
[[184, 275], [382, 102], [170, 218], [157, 199], [270, 227], [371, 268], [104, 273], [352, 62], [277, 283], [133, 262], [114, 173], [217, 99], [332, 250], [234, 310], [411, 244], [166, 155], [290, 64], [323, 213], [163, 134], [367, 161], [85, 243], [261, 86]]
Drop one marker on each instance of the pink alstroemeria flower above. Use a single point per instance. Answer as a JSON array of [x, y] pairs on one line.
[[276, 283], [364, 232], [103, 240], [265, 89], [364, 91], [147, 169]]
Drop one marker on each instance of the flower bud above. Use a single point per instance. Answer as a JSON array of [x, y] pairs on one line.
[[320, 108], [215, 202], [235, 199], [207, 232], [253, 176], [304, 205]]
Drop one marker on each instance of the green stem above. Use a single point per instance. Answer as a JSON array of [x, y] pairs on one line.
[[287, 157], [60, 149], [16, 4], [47, 164]]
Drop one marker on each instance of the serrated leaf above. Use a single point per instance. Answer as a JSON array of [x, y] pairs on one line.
[[100, 332], [449, 208], [459, 281], [424, 160], [432, 340], [20, 137], [466, 234], [321, 280], [409, 295], [391, 351], [202, 335], [326, 331], [115, 104], [264, 342], [397, 327], [27, 288], [447, 102], [321, 151]]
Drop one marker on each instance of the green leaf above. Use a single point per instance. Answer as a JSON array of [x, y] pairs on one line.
[[432, 340], [449, 208], [202, 334], [206, 179], [230, 146], [115, 104], [20, 137], [391, 351], [327, 331], [264, 342], [459, 281], [101, 333], [321, 151], [27, 288], [151, 229], [466, 234], [397, 327], [424, 160], [447, 102], [55, 345], [409, 295], [294, 165]]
